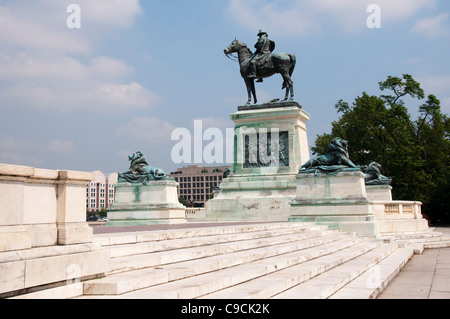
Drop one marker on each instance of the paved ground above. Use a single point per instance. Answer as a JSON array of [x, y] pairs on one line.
[[426, 276]]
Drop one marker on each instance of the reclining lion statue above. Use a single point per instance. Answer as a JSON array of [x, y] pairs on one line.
[[140, 171], [374, 176], [336, 157]]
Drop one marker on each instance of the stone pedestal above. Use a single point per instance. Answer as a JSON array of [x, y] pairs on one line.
[[252, 197], [270, 139], [338, 200], [270, 144], [379, 192], [154, 203]]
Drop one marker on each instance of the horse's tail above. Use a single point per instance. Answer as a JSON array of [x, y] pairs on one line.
[[293, 62]]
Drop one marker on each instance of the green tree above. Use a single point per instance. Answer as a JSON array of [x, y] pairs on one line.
[[415, 153]]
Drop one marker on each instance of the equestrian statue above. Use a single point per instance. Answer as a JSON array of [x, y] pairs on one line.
[[263, 64]]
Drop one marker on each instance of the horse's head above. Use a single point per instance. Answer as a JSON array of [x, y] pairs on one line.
[[235, 46]]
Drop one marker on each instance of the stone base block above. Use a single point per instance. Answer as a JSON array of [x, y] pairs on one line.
[[262, 197], [74, 233], [379, 192], [338, 200], [154, 203], [146, 217]]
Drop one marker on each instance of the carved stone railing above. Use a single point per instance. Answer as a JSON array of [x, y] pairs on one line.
[[397, 210], [403, 208]]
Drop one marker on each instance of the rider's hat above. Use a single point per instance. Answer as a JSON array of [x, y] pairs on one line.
[[261, 32]]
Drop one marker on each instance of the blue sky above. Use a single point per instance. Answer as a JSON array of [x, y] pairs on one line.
[[83, 99]]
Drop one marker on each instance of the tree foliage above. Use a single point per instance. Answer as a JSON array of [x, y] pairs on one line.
[[415, 153]]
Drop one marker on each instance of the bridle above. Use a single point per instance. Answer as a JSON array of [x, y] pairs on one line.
[[232, 57]]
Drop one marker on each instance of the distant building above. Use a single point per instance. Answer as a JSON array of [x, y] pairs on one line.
[[100, 192], [197, 183]]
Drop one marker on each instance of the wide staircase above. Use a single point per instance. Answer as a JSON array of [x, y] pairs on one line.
[[261, 260]]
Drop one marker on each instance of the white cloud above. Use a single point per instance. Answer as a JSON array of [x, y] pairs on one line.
[[109, 67], [92, 97], [150, 129], [31, 32], [23, 150], [305, 17], [37, 66], [432, 26], [110, 14]]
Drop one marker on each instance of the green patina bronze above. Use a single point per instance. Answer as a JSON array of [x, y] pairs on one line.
[[140, 172], [262, 64]]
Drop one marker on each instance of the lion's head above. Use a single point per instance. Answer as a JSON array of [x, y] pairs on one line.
[[374, 176], [338, 146], [374, 168], [135, 156]]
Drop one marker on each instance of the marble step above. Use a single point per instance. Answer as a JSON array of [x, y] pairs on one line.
[[274, 283], [146, 247], [370, 283], [114, 239], [132, 280], [139, 261], [207, 283], [326, 284]]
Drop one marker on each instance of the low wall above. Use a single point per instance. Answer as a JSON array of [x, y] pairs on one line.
[[399, 216], [395, 216], [42, 207], [45, 240]]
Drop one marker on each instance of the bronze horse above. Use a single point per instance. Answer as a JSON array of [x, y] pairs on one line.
[[283, 63]]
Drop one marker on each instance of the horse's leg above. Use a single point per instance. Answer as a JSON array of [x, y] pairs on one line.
[[254, 91], [249, 91], [287, 93], [286, 84], [291, 85]]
